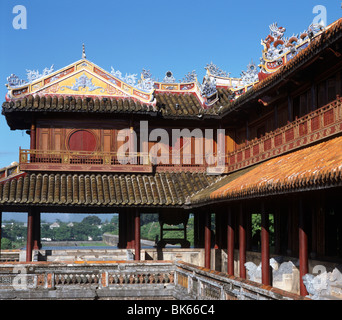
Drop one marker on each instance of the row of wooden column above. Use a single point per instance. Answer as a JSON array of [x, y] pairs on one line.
[[129, 229], [265, 243], [129, 238]]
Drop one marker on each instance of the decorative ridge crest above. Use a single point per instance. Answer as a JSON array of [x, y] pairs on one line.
[[32, 75], [214, 70], [278, 50]]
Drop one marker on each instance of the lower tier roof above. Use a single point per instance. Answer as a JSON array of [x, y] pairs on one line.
[[311, 168], [91, 190]]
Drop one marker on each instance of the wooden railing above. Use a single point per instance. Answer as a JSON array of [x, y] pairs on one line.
[[48, 160], [317, 125], [81, 157]]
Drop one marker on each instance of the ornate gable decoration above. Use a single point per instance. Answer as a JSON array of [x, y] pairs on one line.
[[278, 49], [81, 78]]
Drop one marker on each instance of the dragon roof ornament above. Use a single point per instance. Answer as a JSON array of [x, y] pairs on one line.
[[190, 76], [145, 83], [130, 79], [279, 49], [14, 81], [214, 70]]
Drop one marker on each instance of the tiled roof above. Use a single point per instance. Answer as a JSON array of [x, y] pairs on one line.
[[76, 104], [310, 168], [159, 189], [187, 105], [203, 195], [168, 104]]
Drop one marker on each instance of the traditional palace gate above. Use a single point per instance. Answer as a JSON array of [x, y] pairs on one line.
[[268, 143]]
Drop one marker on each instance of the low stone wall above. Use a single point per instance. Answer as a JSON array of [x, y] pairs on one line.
[[9, 255], [190, 255], [127, 280], [198, 283], [285, 273], [87, 280]]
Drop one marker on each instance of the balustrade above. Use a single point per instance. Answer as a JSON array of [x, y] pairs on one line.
[[178, 279]]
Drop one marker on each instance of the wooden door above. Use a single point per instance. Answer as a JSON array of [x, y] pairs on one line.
[[82, 140]]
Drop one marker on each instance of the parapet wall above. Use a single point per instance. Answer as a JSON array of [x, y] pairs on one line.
[[127, 280], [324, 280]]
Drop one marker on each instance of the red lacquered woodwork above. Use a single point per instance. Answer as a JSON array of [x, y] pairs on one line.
[[82, 140]]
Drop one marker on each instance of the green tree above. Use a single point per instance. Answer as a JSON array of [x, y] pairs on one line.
[[6, 244], [63, 233], [83, 230], [92, 220]]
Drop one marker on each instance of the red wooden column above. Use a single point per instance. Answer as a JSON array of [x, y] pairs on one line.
[[218, 233], [36, 231], [265, 247], [207, 240], [303, 250], [130, 229], [242, 242], [137, 235], [33, 136], [29, 243], [230, 242]]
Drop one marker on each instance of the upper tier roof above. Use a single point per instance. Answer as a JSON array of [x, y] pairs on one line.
[[84, 87]]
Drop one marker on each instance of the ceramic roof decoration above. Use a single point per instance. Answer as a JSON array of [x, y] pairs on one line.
[[85, 79]]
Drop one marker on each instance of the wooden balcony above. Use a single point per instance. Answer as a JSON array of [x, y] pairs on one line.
[[82, 161], [316, 126]]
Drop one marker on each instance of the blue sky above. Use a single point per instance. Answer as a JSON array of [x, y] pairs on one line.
[[178, 35]]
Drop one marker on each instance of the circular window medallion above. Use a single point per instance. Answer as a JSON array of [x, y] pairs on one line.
[[82, 140]]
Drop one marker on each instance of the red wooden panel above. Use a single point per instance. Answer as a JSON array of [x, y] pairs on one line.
[[329, 117], [315, 123], [255, 150], [82, 140], [278, 140], [267, 144], [289, 135]]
